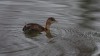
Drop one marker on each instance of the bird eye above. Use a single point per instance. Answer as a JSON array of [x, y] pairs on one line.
[[52, 19]]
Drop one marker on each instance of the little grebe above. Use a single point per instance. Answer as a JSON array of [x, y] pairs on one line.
[[35, 28]]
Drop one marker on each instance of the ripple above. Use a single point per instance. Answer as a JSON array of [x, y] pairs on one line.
[[14, 15], [38, 4]]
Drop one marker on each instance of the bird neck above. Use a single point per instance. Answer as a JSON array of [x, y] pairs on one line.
[[47, 26]]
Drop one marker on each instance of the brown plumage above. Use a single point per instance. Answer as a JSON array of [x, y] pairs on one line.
[[35, 28]]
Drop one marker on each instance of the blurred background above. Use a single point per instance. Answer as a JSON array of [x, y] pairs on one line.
[[77, 32]]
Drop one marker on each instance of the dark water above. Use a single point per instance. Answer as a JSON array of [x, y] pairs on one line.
[[69, 39]]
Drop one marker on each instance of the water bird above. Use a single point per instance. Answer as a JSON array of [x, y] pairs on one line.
[[33, 29]]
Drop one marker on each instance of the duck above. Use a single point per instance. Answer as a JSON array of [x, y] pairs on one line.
[[34, 29]]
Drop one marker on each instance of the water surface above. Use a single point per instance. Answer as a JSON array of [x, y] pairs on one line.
[[14, 14]]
